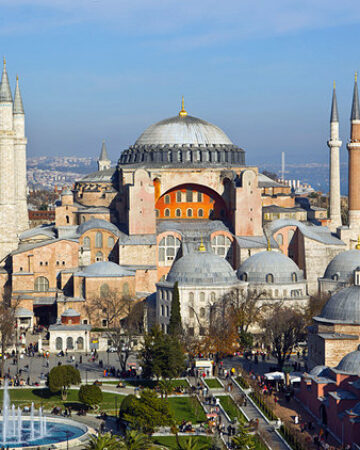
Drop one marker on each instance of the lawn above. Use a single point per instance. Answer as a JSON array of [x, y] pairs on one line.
[[213, 383], [231, 409], [187, 408], [170, 441], [43, 397]]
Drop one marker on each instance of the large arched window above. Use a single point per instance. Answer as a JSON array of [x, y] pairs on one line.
[[111, 242], [98, 240], [69, 343], [104, 290], [80, 343], [86, 242], [178, 196], [200, 212], [222, 246], [167, 212], [41, 284], [269, 278], [168, 248], [189, 212], [167, 199], [178, 212], [59, 343], [99, 257]]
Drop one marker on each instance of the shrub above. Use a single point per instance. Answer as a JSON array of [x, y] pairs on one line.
[[90, 395]]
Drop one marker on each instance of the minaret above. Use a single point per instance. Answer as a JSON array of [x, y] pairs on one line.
[[354, 161], [22, 216], [103, 161], [334, 144], [8, 231]]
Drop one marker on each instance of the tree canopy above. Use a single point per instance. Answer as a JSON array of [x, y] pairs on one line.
[[175, 325], [90, 394], [62, 377]]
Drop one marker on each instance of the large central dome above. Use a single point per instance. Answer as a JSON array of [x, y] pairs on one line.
[[180, 130]]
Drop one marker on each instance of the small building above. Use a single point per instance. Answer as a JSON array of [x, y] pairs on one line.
[[69, 334]]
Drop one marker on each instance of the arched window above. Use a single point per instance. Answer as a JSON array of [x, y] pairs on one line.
[[67, 219], [98, 240], [111, 242], [178, 212], [335, 277], [168, 248], [202, 312], [104, 290], [86, 242], [269, 278], [280, 239], [189, 195], [212, 296], [69, 343], [99, 256], [167, 311], [189, 212], [244, 277], [200, 212], [222, 246], [41, 284], [178, 196], [167, 199], [167, 212], [202, 296], [80, 343], [162, 310], [59, 343], [294, 277], [191, 298]]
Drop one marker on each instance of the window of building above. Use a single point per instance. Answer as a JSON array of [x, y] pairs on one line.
[[191, 298], [189, 212], [69, 343], [178, 196], [167, 212], [21, 269], [168, 248], [294, 277], [46, 263], [86, 242], [58, 343], [157, 213], [222, 246], [167, 311], [211, 213], [244, 277], [111, 242], [104, 290], [41, 263], [167, 199], [80, 343], [99, 257], [63, 263], [202, 296], [85, 321], [202, 331], [178, 212], [162, 310], [199, 197], [67, 219], [335, 277], [189, 195], [269, 278], [41, 284], [212, 296], [104, 322], [126, 290], [200, 212], [202, 312], [98, 240]]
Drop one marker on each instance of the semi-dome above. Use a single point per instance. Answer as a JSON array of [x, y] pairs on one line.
[[270, 266], [183, 130], [342, 307], [107, 269], [350, 364], [97, 223], [342, 267], [202, 269]]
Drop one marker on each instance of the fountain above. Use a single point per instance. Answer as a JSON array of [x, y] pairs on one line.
[[20, 431]]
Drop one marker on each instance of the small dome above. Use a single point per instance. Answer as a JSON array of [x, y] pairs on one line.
[[342, 307], [97, 223], [183, 130], [350, 364], [342, 267], [107, 269], [320, 371], [202, 269], [282, 268], [70, 313]]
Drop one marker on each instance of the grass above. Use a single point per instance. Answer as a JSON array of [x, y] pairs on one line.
[[170, 441], [43, 397], [148, 383], [187, 408], [213, 383], [231, 409]]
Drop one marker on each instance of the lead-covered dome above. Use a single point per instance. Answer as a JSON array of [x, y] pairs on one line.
[[350, 364], [342, 307], [202, 269], [270, 266], [342, 267], [107, 269]]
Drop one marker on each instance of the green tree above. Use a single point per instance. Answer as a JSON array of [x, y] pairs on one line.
[[135, 440], [191, 443], [61, 378], [90, 395], [165, 387], [162, 355], [243, 440], [175, 326], [147, 412], [102, 442]]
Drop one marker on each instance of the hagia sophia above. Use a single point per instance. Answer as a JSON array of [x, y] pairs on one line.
[[181, 206]]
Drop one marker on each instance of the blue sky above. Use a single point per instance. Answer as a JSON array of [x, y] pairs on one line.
[[106, 69]]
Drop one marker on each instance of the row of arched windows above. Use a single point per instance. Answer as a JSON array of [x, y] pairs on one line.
[[202, 297], [189, 196], [69, 343], [98, 241], [269, 278], [189, 212]]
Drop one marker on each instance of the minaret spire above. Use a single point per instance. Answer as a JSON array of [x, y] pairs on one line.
[[334, 144], [355, 109], [104, 162], [5, 91], [18, 104]]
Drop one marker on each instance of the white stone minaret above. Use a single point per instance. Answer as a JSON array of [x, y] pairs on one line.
[[13, 208], [334, 144]]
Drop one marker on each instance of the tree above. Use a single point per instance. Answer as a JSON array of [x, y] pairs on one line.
[[283, 329], [147, 412], [165, 387], [90, 394], [61, 378], [175, 326], [135, 440], [243, 440], [102, 442], [124, 317], [162, 355], [8, 324], [191, 443]]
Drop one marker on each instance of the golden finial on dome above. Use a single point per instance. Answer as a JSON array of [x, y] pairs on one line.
[[268, 245], [4, 61], [356, 77], [202, 247], [334, 84], [357, 246], [182, 113]]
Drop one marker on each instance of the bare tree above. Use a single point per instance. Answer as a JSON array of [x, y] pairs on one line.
[[7, 323], [124, 321]]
